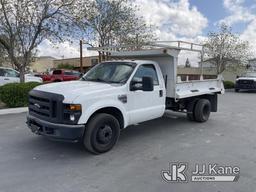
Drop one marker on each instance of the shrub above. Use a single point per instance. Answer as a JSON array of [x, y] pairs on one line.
[[65, 66], [229, 84], [16, 94]]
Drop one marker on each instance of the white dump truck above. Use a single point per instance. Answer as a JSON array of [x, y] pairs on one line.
[[133, 86]]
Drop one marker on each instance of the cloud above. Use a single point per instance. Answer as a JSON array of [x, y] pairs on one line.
[[249, 35], [173, 18], [238, 13], [62, 50]]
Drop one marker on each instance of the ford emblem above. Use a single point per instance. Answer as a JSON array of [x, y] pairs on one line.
[[37, 105]]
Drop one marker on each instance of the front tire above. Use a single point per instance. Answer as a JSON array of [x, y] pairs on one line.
[[236, 90], [202, 110], [101, 133]]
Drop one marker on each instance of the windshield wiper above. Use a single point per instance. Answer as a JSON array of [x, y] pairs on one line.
[[96, 80]]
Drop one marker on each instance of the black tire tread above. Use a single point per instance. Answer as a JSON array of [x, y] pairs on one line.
[[199, 116], [191, 109], [90, 128]]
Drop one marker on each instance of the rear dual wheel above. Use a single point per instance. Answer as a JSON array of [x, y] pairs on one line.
[[199, 110], [101, 134]]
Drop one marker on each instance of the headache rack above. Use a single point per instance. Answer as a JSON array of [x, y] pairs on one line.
[[157, 48], [178, 45]]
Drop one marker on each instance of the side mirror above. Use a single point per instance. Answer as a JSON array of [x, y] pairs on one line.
[[145, 85], [237, 76]]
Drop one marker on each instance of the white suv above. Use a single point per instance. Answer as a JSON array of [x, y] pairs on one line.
[[8, 75]]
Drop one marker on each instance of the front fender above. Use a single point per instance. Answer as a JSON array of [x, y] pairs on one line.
[[87, 112]]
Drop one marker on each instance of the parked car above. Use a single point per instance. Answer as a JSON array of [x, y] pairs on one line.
[[247, 81], [9, 75], [116, 94], [59, 75], [45, 76]]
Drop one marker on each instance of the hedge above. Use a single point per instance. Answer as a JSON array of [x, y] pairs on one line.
[[65, 66], [16, 94], [229, 85]]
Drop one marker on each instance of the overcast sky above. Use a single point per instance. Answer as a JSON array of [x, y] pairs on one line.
[[182, 19]]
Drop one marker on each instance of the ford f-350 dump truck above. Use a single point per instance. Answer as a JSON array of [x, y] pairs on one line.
[[133, 87]]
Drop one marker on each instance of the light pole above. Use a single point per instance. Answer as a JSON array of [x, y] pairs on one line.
[[81, 56]]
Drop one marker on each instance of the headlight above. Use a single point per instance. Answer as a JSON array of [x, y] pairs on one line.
[[72, 113]]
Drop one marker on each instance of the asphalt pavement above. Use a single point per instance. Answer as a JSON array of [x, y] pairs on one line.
[[32, 163]]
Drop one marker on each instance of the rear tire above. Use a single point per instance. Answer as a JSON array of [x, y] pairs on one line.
[[190, 116], [236, 90], [202, 110], [191, 109], [101, 133]]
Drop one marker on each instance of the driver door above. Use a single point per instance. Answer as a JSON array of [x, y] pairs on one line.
[[145, 105]]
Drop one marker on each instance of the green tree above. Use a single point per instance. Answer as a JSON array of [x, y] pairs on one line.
[[187, 63], [225, 49], [65, 66], [24, 24], [109, 23], [2, 55]]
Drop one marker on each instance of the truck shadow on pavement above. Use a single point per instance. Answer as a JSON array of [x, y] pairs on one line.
[[170, 124]]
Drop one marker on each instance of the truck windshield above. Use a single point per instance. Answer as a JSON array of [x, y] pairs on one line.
[[110, 72]]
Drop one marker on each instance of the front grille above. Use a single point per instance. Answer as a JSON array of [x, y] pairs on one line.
[[40, 106], [46, 106], [249, 82]]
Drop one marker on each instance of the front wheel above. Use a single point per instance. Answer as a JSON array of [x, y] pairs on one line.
[[102, 133]]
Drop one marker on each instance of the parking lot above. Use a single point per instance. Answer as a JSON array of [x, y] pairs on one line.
[[32, 163]]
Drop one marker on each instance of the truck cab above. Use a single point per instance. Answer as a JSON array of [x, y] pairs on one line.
[[115, 94]]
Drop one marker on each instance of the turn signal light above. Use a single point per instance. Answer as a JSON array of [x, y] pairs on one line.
[[74, 107]]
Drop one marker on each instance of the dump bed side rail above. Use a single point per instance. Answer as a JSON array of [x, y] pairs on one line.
[[199, 87]]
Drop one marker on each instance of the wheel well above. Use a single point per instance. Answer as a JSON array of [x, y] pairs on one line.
[[112, 111], [186, 103], [212, 98]]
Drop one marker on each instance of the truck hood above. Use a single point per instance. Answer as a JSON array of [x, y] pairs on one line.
[[246, 78], [73, 89]]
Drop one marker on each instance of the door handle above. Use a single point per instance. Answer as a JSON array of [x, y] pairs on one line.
[[160, 93], [6, 79]]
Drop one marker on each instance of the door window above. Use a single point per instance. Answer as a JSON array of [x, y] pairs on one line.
[[2, 73], [10, 73], [57, 72], [147, 70], [68, 73]]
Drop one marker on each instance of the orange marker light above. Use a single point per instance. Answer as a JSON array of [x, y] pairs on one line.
[[74, 107]]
